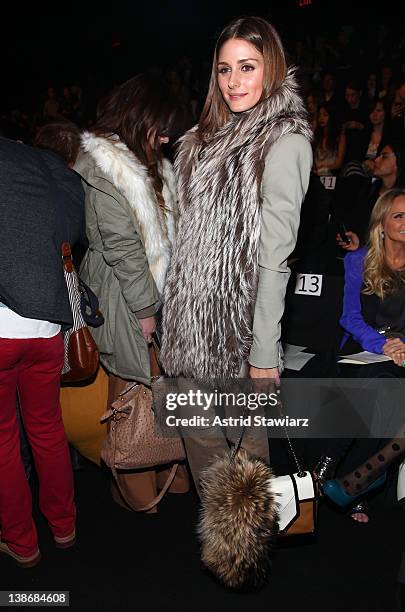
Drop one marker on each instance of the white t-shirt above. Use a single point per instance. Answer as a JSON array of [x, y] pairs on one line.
[[12, 325]]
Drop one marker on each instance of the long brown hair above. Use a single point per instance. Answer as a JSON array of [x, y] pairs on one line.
[[139, 111], [379, 278], [262, 35]]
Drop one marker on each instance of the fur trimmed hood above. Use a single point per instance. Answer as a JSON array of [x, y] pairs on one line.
[[131, 179]]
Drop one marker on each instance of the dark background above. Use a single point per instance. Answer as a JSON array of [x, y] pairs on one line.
[[87, 42]]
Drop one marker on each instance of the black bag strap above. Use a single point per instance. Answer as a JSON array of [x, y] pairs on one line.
[[301, 473], [89, 305]]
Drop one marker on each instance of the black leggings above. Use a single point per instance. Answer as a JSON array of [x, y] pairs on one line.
[[354, 451]]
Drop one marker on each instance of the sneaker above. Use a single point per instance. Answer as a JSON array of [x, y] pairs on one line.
[[67, 541], [22, 561]]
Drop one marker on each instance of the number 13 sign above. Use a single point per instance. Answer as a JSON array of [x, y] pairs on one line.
[[308, 284]]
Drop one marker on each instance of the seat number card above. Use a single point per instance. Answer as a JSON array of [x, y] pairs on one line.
[[329, 182], [308, 284]]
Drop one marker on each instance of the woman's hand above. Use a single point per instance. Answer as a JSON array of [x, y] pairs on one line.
[[148, 327], [354, 243], [395, 348], [272, 373]]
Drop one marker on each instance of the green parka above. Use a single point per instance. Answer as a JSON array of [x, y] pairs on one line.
[[130, 240]]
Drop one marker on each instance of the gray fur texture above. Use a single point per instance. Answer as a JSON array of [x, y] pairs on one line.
[[238, 520], [211, 286]]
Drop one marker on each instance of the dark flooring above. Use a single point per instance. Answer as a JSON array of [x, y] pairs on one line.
[[140, 563]]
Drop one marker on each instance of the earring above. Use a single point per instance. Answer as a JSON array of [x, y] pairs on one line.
[[382, 235]]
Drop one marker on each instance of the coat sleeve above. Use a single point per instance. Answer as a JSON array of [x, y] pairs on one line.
[[352, 318], [123, 249], [285, 182]]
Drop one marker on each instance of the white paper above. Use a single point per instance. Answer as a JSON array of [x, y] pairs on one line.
[[363, 358], [293, 349], [294, 358]]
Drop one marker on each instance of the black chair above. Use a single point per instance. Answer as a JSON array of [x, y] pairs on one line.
[[313, 321]]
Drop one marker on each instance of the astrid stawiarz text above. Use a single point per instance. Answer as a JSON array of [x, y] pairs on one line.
[[240, 421]]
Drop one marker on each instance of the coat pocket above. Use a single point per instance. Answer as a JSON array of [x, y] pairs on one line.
[[105, 335]]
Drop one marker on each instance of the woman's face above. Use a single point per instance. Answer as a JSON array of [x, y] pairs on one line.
[[386, 74], [394, 222], [377, 115], [323, 117], [311, 104], [328, 83], [371, 81], [240, 74], [385, 163]]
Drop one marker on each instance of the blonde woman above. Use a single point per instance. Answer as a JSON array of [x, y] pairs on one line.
[[374, 318]]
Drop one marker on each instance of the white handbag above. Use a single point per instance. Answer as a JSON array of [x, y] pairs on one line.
[[297, 503]]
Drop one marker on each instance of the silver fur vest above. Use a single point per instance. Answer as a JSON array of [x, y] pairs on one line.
[[211, 286]]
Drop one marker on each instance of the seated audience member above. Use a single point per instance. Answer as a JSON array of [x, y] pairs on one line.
[[386, 82], [389, 169], [38, 196], [374, 320], [329, 143], [398, 111], [378, 130], [370, 92], [355, 119], [312, 104], [51, 108], [329, 93]]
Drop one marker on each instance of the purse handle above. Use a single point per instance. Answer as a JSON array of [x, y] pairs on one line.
[[154, 501], [300, 472]]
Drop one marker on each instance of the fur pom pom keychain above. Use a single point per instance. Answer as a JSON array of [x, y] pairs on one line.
[[238, 520]]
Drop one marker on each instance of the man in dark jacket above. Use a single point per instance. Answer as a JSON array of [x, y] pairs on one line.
[[41, 205]]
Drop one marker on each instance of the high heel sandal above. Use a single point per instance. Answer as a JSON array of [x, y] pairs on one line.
[[335, 490]]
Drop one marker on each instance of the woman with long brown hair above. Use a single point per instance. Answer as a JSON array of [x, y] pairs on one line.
[[243, 172], [131, 209], [329, 141]]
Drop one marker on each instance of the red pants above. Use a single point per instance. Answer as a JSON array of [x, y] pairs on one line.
[[32, 367]]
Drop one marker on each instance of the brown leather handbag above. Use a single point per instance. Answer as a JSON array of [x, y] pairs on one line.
[[81, 351], [132, 442]]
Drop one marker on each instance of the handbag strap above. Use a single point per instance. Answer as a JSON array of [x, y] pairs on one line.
[[301, 473], [158, 497]]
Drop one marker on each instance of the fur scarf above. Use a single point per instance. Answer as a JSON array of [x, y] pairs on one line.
[[211, 287], [131, 179]]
